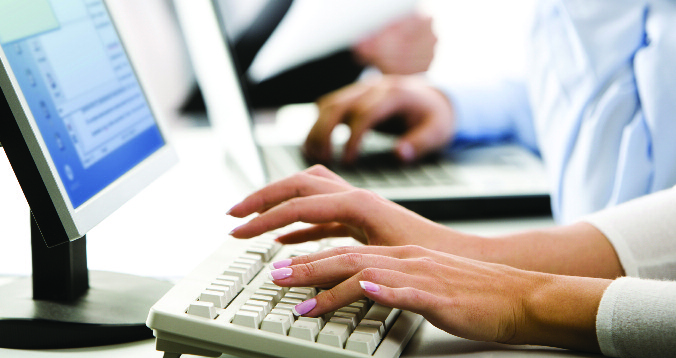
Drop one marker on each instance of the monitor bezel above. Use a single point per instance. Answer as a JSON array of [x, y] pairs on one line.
[[78, 221]]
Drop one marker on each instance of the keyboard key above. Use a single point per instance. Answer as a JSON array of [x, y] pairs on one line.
[[304, 330], [250, 269], [283, 312], [275, 294], [229, 294], [316, 320], [362, 306], [261, 251], [291, 301], [269, 284], [384, 314], [260, 311], [240, 273], [276, 324], [333, 334], [266, 305], [362, 343], [202, 309], [219, 299], [228, 280], [264, 298], [307, 292], [374, 324], [366, 329], [246, 318], [351, 322], [298, 296], [354, 310], [254, 258], [307, 248], [285, 306]]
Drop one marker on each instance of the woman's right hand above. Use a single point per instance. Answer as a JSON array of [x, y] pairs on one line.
[[337, 209], [468, 298]]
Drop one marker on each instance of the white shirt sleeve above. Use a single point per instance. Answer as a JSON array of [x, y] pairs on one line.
[[643, 233], [637, 316]]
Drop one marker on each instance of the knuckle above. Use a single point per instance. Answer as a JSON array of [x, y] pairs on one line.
[[352, 260], [307, 269], [415, 296], [369, 274], [317, 168], [426, 263], [342, 250], [363, 195], [329, 296], [413, 250]]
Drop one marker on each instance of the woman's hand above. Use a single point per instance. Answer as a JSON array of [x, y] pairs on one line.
[[426, 113], [337, 209], [468, 298]]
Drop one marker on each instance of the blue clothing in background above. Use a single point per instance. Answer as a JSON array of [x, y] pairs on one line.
[[598, 103]]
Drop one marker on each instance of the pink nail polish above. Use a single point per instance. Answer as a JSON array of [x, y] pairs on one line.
[[280, 264], [369, 286], [304, 307], [280, 274]]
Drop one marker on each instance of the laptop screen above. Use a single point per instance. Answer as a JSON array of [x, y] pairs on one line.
[[79, 84]]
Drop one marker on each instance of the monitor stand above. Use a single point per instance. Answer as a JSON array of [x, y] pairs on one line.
[[65, 309]]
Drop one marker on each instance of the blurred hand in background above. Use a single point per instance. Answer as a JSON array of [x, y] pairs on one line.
[[403, 47], [423, 114]]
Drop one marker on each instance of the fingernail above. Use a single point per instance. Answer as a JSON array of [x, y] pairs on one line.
[[369, 286], [233, 231], [304, 307], [406, 151], [280, 264], [231, 209], [280, 274]]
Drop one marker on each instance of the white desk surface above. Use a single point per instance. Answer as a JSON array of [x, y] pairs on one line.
[[175, 223]]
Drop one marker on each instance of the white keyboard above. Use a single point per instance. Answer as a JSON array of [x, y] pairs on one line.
[[228, 305]]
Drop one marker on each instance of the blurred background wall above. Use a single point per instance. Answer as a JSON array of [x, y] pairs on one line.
[[479, 40]]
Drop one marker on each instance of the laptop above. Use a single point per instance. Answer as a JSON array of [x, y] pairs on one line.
[[470, 182]]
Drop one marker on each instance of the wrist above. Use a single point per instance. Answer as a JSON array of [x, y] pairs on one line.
[[560, 311]]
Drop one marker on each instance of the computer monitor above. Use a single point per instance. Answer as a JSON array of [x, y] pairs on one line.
[[82, 139]]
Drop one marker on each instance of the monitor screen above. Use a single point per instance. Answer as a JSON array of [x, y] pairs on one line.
[[78, 83], [82, 140]]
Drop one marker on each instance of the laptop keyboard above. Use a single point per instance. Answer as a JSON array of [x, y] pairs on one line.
[[383, 169]]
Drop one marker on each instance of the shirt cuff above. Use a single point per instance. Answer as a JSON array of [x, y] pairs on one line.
[[637, 318], [492, 112]]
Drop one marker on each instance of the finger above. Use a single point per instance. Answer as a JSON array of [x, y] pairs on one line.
[[373, 108], [333, 269], [399, 252], [343, 207], [316, 232], [324, 172], [332, 111], [411, 299], [430, 135], [298, 185], [350, 290]]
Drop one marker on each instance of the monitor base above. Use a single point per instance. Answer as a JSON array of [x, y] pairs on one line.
[[113, 310]]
